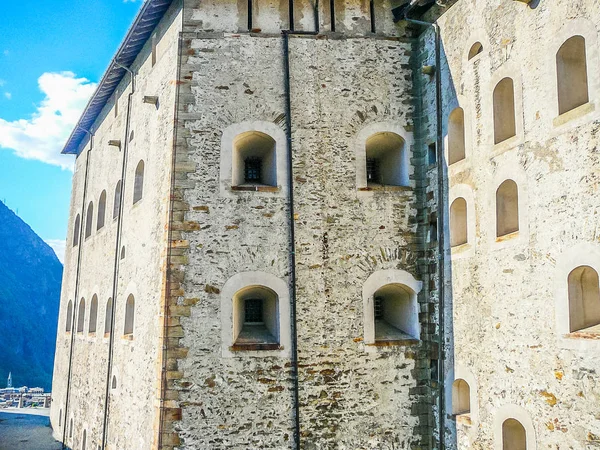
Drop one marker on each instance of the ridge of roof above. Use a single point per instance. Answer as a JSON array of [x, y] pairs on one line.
[[150, 13]]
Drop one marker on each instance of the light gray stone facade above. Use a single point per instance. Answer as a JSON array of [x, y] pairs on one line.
[[338, 255]]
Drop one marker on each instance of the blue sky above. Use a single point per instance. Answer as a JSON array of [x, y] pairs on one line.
[[52, 53]]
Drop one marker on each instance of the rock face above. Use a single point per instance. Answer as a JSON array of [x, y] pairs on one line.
[[30, 279]]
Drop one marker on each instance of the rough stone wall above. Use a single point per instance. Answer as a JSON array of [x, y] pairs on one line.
[[134, 405], [351, 395], [507, 295]]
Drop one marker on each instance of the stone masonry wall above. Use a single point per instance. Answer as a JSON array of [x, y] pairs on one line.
[[134, 404], [508, 295], [352, 395]]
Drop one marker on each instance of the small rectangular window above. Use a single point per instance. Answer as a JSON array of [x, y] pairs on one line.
[[372, 170], [253, 311], [431, 154], [252, 170]]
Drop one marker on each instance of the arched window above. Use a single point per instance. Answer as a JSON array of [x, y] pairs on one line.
[[461, 397], [456, 136], [571, 71], [69, 316], [475, 50], [138, 186], [93, 314], [76, 231], [89, 219], [81, 316], [584, 299], [117, 203], [129, 315], [504, 110], [114, 382], [507, 208], [101, 210], [458, 222], [385, 160], [394, 313], [71, 428], [83, 442], [254, 160], [514, 436], [108, 316], [256, 319]]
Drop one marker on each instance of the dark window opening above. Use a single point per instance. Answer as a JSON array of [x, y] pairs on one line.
[[378, 308], [252, 170], [433, 230], [373, 170], [431, 154], [256, 319], [253, 311]]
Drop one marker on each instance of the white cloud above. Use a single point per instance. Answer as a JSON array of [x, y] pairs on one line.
[[2, 82], [42, 136], [8, 95], [58, 245]]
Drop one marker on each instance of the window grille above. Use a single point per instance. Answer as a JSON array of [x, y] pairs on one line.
[[252, 169], [253, 311], [378, 306], [372, 170]]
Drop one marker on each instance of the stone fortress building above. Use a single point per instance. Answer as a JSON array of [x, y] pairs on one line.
[[333, 225]]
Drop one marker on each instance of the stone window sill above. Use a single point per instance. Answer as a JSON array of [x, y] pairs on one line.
[[127, 337], [464, 419], [573, 114], [590, 333], [395, 343], [384, 188], [508, 236], [460, 248], [92, 334], [255, 188], [254, 347]]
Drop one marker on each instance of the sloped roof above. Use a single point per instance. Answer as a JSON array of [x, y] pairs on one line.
[[148, 17]]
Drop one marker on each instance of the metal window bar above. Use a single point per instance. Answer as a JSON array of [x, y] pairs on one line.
[[252, 170], [378, 307], [253, 311], [372, 170]]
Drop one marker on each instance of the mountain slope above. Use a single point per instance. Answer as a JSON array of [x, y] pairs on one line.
[[30, 278]]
